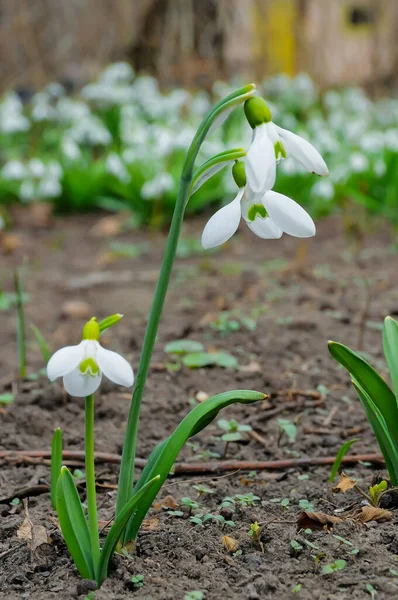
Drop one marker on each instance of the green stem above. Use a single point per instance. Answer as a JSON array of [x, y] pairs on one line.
[[126, 476], [90, 482], [20, 325]]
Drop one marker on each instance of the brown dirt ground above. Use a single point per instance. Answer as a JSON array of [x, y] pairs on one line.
[[338, 295]]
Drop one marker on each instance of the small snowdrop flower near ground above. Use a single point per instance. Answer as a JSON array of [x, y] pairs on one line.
[[83, 365], [268, 215], [270, 144], [13, 170]]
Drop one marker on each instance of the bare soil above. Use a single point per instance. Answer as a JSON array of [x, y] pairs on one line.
[[338, 294]]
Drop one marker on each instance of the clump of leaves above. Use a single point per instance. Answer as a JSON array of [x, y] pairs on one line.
[[203, 489], [137, 581], [337, 565], [233, 430], [246, 499], [194, 595], [193, 355], [305, 504], [230, 321], [189, 503]]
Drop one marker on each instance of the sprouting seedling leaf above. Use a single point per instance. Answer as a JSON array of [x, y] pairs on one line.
[[45, 350], [306, 505], [6, 398], [183, 347], [197, 360], [287, 428], [339, 457], [338, 565]]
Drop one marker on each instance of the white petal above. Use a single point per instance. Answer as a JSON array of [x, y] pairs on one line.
[[288, 215], [265, 228], [80, 385], [115, 367], [223, 223], [65, 360], [304, 152], [261, 162]]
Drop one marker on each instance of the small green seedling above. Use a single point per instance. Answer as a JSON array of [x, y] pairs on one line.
[[337, 565], [203, 489], [6, 398], [175, 513], [246, 499], [228, 502], [233, 430], [194, 595], [137, 581], [370, 589], [191, 504], [15, 502], [342, 540], [376, 492], [295, 548], [78, 474], [305, 504], [297, 588], [287, 429], [255, 532], [197, 520]]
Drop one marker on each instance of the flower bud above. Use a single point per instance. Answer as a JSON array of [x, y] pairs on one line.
[[239, 173], [91, 330], [109, 322], [257, 112]]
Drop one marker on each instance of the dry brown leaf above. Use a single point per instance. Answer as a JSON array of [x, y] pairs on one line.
[[229, 543], [34, 535], [372, 513], [9, 242], [150, 524], [344, 484], [168, 502], [317, 520]]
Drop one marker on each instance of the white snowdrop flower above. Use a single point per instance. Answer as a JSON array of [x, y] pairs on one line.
[[116, 167], [323, 189], [70, 149], [13, 170], [332, 99], [42, 109], [272, 143], [69, 111], [90, 131], [49, 188], [54, 169], [379, 167], [12, 119], [55, 90], [372, 142], [268, 215], [358, 162], [36, 168], [27, 191], [158, 186], [119, 72], [83, 365], [391, 139]]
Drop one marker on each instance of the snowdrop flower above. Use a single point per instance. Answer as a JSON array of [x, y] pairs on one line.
[[272, 143], [117, 168], [82, 366], [268, 215], [358, 162], [323, 189], [158, 186], [13, 170]]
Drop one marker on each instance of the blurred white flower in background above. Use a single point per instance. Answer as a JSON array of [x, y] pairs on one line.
[[156, 187], [14, 169], [358, 162], [323, 188], [115, 166], [12, 119]]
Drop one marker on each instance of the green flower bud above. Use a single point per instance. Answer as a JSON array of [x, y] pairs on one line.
[[239, 173], [109, 322], [91, 330], [257, 112]]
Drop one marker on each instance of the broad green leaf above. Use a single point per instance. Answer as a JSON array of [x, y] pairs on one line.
[[45, 351], [390, 346], [6, 398], [381, 431], [56, 464], [339, 457], [195, 360], [371, 382], [163, 456], [183, 347], [73, 524], [117, 528]]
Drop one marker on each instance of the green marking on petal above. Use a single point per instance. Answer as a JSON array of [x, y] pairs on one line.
[[280, 151], [91, 330], [256, 209], [89, 367]]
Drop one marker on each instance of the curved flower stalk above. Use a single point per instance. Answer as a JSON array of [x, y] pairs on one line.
[[268, 215], [83, 365], [272, 143]]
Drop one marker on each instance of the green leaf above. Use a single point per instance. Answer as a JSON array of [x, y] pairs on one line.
[[117, 528], [6, 398], [56, 464], [196, 360], [339, 457], [390, 346], [164, 454], [213, 166], [73, 524], [109, 322], [371, 382], [183, 347], [380, 429], [45, 351]]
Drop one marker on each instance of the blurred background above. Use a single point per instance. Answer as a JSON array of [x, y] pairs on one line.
[[100, 99]]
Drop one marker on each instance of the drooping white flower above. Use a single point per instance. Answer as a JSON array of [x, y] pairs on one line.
[[268, 215], [83, 365], [270, 144]]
